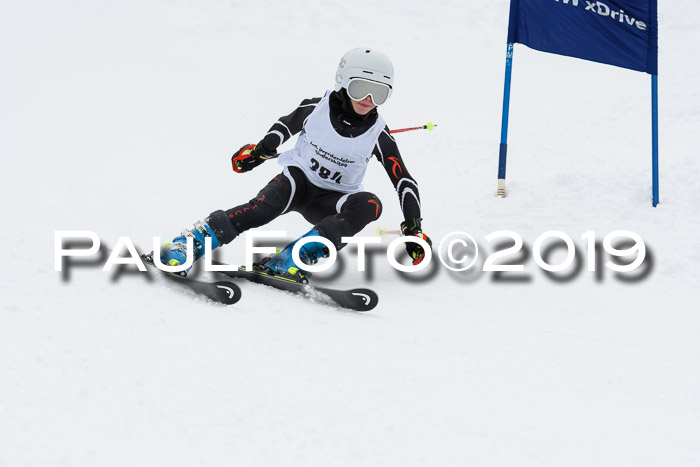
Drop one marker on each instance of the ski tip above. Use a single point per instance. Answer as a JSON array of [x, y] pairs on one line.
[[227, 292], [364, 299]]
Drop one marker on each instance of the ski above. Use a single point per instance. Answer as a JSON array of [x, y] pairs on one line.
[[224, 292], [354, 299]]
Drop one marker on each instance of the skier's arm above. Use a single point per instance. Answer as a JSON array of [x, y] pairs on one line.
[[387, 152], [250, 156], [289, 125]]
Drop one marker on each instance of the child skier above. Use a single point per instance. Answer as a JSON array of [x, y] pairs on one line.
[[323, 173]]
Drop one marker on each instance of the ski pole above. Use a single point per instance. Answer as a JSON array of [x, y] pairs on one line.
[[428, 126], [383, 232]]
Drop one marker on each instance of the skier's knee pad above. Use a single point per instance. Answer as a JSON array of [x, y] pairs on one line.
[[274, 196], [365, 205]]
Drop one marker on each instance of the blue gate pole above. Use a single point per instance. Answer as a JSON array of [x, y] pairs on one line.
[[504, 124], [654, 140]]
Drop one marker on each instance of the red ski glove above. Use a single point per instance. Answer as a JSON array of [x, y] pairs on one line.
[[250, 156], [415, 251]]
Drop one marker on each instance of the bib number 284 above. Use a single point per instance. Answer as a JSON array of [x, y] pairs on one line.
[[325, 173]]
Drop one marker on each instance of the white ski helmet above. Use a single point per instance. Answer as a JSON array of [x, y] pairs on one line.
[[370, 66]]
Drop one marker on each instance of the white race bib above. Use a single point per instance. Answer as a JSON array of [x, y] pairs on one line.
[[329, 160]]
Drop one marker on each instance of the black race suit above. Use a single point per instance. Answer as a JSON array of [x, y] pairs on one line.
[[334, 214]]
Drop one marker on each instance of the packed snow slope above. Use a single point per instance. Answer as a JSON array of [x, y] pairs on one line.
[[120, 118]]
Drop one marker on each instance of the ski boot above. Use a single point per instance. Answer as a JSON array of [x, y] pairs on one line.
[[175, 252], [217, 226], [281, 264]]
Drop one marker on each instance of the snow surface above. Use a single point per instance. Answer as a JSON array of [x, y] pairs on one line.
[[120, 118]]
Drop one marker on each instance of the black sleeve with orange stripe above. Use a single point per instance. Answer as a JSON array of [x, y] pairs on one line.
[[289, 125], [387, 152]]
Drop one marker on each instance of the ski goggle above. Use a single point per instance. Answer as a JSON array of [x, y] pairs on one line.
[[359, 88]]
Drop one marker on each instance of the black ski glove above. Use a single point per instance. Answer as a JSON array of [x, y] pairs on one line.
[[250, 156], [411, 227]]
